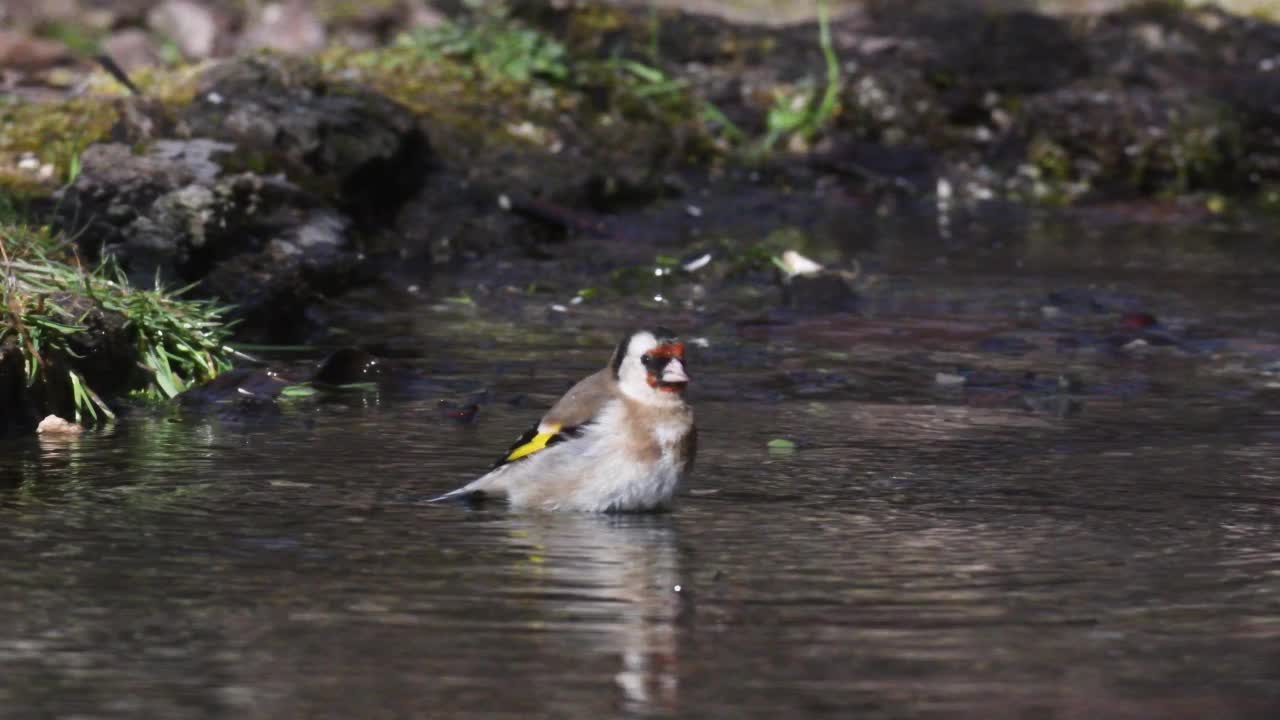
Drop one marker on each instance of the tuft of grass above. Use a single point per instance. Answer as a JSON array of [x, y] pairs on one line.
[[805, 113], [48, 299]]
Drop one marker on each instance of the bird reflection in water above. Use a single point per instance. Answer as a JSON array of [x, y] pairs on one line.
[[614, 586]]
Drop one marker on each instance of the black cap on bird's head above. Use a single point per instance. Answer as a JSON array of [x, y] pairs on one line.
[[652, 360]]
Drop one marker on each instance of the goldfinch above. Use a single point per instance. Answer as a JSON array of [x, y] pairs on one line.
[[621, 440]]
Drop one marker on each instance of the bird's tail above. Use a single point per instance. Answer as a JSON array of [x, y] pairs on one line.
[[475, 491], [465, 495]]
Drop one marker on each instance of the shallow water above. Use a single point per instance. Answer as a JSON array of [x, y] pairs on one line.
[[1104, 545]]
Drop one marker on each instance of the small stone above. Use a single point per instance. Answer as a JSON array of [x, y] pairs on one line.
[[190, 25], [289, 27], [348, 366], [422, 15], [54, 425], [22, 52], [131, 49]]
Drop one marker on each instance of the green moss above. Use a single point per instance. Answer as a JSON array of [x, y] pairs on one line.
[[1054, 179], [1204, 147], [346, 11], [494, 48], [57, 132], [489, 89], [54, 132]]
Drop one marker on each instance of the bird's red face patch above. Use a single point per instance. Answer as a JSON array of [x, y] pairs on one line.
[[669, 350], [656, 361]]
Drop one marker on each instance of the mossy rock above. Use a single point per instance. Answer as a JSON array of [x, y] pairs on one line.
[[334, 138]]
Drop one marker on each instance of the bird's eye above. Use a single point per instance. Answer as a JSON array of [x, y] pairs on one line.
[[646, 358]]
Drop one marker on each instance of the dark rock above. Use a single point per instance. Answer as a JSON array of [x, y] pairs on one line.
[[105, 353], [1137, 140], [450, 222], [819, 292], [205, 210], [17, 416], [1021, 52], [273, 289], [235, 386], [173, 214], [348, 366], [341, 141], [903, 167], [23, 405]]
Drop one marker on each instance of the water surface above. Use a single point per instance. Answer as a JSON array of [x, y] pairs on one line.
[[1083, 528]]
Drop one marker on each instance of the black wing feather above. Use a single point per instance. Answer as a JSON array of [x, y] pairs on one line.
[[564, 434]]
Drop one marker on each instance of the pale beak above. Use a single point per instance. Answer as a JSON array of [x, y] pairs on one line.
[[674, 372]]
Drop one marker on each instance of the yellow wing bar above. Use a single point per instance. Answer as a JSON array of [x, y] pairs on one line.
[[533, 444]]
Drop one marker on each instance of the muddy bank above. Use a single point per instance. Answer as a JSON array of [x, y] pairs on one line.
[[547, 155], [1155, 100]]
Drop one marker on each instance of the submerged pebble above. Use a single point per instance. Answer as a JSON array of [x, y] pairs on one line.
[[348, 366]]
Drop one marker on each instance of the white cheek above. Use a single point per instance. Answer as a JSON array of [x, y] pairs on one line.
[[633, 376]]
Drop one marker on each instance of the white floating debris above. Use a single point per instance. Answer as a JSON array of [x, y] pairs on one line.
[[697, 263], [949, 379], [943, 189], [526, 130], [29, 162], [557, 307], [700, 342], [214, 98], [54, 425], [504, 202], [46, 171], [797, 264], [693, 210]]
